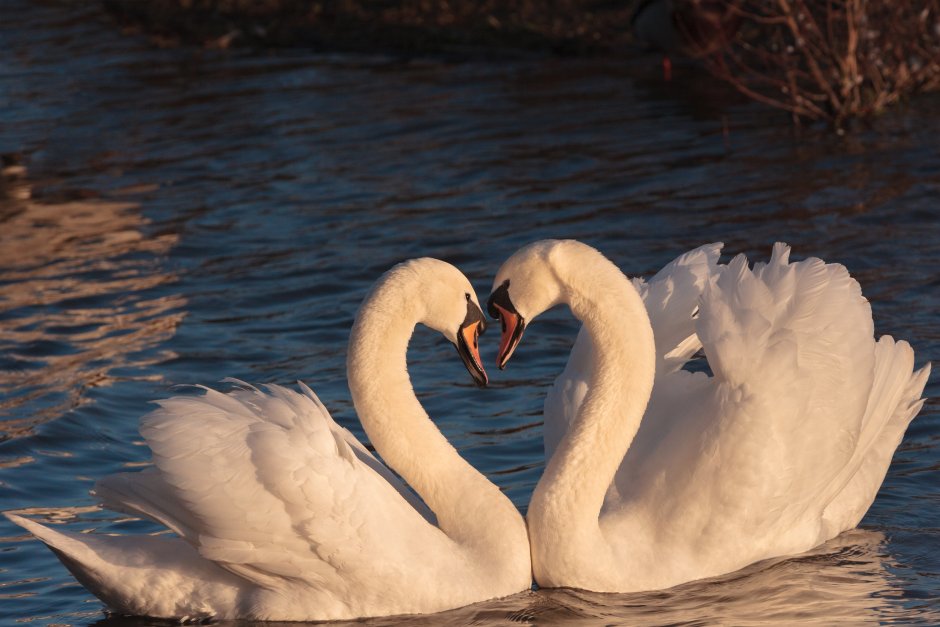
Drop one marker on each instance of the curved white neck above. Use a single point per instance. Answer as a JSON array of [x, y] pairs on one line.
[[571, 492], [469, 508]]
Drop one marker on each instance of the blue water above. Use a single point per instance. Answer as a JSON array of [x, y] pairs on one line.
[[202, 214]]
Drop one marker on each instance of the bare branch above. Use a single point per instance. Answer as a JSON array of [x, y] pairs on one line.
[[830, 60]]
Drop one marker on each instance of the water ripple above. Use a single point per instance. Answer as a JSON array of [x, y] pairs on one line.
[[187, 215]]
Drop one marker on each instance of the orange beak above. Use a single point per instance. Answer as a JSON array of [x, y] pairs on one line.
[[468, 346], [513, 326]]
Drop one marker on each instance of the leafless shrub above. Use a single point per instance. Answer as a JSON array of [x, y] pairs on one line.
[[831, 59]]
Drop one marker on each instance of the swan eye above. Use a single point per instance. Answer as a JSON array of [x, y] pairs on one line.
[[468, 296]]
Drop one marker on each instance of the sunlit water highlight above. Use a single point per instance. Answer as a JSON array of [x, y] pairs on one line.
[[197, 215]]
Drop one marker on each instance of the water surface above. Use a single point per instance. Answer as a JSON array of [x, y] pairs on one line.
[[203, 214]]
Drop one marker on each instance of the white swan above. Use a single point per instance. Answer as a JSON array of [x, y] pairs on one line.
[[782, 448], [283, 515]]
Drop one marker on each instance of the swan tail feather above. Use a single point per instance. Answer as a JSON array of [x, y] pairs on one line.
[[140, 575]]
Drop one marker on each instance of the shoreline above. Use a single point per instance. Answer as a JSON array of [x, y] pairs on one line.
[[488, 28]]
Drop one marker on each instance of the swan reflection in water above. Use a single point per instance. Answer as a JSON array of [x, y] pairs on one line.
[[847, 580], [77, 301]]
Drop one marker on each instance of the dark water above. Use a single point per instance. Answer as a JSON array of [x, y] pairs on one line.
[[200, 214]]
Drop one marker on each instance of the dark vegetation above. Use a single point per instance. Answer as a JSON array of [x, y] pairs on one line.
[[409, 26], [831, 60]]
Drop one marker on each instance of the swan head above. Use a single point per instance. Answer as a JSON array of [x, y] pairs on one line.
[[526, 285], [449, 305]]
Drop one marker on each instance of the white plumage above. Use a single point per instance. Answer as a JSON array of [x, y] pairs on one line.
[[283, 515], [780, 449]]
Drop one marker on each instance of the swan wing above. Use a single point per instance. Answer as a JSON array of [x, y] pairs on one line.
[[755, 446], [672, 299], [268, 486], [895, 399], [791, 346]]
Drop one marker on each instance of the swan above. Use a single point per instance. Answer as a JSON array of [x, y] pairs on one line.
[[281, 514], [663, 478]]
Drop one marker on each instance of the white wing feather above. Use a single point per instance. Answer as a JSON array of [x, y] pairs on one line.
[[788, 442], [780, 340], [801, 416], [269, 487]]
